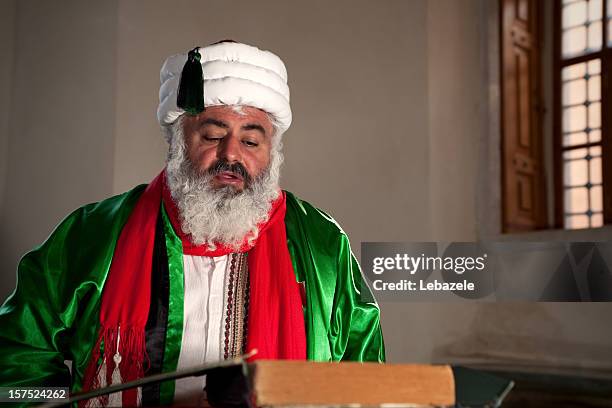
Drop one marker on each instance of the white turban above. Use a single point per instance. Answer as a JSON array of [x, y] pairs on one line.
[[234, 74]]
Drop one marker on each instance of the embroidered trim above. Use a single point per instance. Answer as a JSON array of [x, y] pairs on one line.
[[236, 296]]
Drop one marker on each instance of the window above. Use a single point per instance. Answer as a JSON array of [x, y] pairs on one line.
[[583, 37], [576, 192]]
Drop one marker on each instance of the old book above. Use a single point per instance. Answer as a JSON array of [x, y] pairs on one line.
[[300, 383]]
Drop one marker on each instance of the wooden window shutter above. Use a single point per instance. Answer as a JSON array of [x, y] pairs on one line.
[[523, 185]]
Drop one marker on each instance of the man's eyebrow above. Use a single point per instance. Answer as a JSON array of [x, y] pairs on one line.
[[216, 122], [254, 126]]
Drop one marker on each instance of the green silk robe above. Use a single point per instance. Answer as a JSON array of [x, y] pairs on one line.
[[53, 315]]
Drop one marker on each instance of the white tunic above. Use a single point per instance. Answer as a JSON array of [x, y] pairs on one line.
[[203, 317]]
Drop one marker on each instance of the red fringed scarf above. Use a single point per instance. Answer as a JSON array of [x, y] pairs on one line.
[[275, 320]]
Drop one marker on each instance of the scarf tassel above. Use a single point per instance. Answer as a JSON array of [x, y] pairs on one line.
[[124, 359]]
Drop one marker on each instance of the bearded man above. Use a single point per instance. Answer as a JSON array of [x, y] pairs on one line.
[[211, 260]]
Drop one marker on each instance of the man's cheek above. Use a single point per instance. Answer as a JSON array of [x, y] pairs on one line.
[[205, 161]]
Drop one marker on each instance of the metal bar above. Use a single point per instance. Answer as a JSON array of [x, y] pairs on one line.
[[580, 146], [606, 107], [580, 58], [573, 132], [557, 117]]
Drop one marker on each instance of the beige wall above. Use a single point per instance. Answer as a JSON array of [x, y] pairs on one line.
[[7, 44], [395, 133], [456, 69], [60, 133], [455, 73]]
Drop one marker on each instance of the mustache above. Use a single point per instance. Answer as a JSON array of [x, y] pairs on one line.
[[236, 168]]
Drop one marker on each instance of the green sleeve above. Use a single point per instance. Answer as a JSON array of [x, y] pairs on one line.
[[355, 308], [33, 330], [34, 322], [52, 315], [342, 318]]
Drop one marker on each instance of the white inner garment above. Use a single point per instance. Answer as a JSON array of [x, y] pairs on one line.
[[203, 316]]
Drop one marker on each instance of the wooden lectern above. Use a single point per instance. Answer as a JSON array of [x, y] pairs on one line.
[[298, 383]]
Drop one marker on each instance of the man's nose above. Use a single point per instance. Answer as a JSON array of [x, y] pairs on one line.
[[230, 150]]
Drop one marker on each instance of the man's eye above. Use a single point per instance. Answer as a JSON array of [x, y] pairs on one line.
[[250, 143], [213, 138]]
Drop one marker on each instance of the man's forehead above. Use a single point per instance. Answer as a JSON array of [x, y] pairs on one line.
[[242, 114]]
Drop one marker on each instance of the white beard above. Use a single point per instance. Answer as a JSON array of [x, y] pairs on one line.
[[220, 215]]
